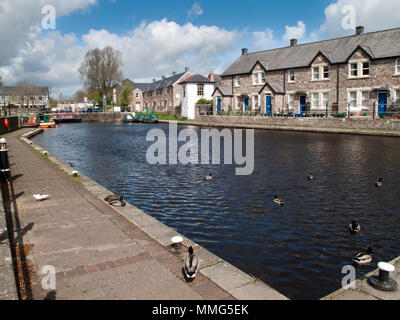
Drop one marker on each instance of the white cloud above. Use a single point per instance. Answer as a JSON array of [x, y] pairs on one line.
[[195, 11], [263, 40], [372, 14], [296, 32]]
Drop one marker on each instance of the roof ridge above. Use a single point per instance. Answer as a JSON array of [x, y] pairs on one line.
[[326, 40]]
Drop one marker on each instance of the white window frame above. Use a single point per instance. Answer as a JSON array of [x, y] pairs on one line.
[[257, 75], [313, 73], [360, 69], [256, 104], [321, 99], [397, 96], [200, 88], [397, 67], [313, 100], [263, 77], [359, 98], [321, 72], [237, 81], [291, 101]]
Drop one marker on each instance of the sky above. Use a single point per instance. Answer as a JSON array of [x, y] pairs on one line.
[[157, 37]]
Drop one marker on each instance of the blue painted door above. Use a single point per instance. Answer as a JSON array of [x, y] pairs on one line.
[[268, 105], [382, 103], [246, 104], [218, 105], [303, 106]]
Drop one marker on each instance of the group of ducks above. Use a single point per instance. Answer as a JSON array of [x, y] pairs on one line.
[[362, 258]]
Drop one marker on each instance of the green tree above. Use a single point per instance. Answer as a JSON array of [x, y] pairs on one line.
[[125, 95], [101, 69]]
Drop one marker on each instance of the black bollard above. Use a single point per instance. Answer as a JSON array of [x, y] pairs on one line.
[[4, 164], [383, 282]]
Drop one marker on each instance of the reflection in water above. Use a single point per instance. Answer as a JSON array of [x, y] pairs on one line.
[[298, 249]]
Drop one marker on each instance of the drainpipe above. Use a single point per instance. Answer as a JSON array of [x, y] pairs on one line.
[[338, 87], [284, 89]]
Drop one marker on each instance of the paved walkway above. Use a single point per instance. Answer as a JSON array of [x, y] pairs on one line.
[[364, 291], [96, 252], [101, 252]]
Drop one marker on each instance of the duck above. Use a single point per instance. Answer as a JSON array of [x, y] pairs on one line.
[[191, 265], [41, 197], [278, 201], [363, 258], [71, 165], [209, 177], [310, 177], [114, 200], [379, 183], [354, 227]]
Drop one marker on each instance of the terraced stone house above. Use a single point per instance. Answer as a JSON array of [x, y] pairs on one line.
[[358, 74], [31, 97]]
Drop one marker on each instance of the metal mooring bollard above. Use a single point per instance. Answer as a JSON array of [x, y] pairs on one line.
[[383, 282], [4, 164]]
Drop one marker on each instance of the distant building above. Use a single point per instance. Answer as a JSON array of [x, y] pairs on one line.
[[25, 96], [193, 89]]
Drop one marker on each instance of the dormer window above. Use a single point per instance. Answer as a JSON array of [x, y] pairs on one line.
[[263, 77], [359, 69], [320, 73], [366, 69], [326, 72], [315, 73]]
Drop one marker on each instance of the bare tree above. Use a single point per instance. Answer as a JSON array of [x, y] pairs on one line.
[[1, 82], [80, 95], [101, 69]]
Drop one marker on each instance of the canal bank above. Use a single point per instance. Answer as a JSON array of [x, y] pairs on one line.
[[101, 252]]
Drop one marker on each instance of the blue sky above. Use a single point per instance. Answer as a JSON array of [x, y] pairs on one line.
[[121, 16]]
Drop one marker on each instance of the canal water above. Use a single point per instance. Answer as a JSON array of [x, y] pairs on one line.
[[299, 249]]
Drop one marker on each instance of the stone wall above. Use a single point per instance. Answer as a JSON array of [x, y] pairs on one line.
[[13, 124], [304, 122], [101, 117]]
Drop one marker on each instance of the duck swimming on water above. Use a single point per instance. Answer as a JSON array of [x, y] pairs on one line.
[[310, 177], [363, 258], [209, 177], [354, 227], [278, 201], [379, 183]]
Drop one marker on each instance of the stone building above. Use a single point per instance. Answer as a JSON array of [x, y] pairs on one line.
[[165, 95], [358, 74], [30, 97]]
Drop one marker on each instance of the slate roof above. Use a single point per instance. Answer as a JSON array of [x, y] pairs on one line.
[[226, 91], [381, 44], [197, 78], [24, 91], [275, 86], [161, 84]]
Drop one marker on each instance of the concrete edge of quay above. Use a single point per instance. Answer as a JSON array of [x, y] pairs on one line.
[[364, 291], [8, 286], [384, 133], [234, 281]]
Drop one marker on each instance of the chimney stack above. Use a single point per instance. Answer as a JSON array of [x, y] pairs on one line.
[[211, 76], [154, 80], [245, 51], [174, 73], [293, 42], [187, 69], [359, 30]]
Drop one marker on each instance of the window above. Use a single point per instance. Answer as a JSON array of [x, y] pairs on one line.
[[365, 99], [184, 91], [291, 101], [255, 78], [200, 90], [315, 100], [326, 99], [366, 69], [398, 66], [353, 99], [263, 77], [292, 76], [316, 73], [397, 99], [256, 102], [137, 95], [237, 81], [326, 72], [353, 70]]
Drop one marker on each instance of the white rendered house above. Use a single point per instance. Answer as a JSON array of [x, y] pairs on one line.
[[193, 89]]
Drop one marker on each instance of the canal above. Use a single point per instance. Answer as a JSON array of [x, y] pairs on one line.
[[299, 249]]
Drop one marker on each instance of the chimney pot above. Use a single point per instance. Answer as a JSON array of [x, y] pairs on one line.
[[245, 51], [187, 69], [293, 42], [359, 30]]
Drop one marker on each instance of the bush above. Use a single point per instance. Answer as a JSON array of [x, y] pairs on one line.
[[205, 102]]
